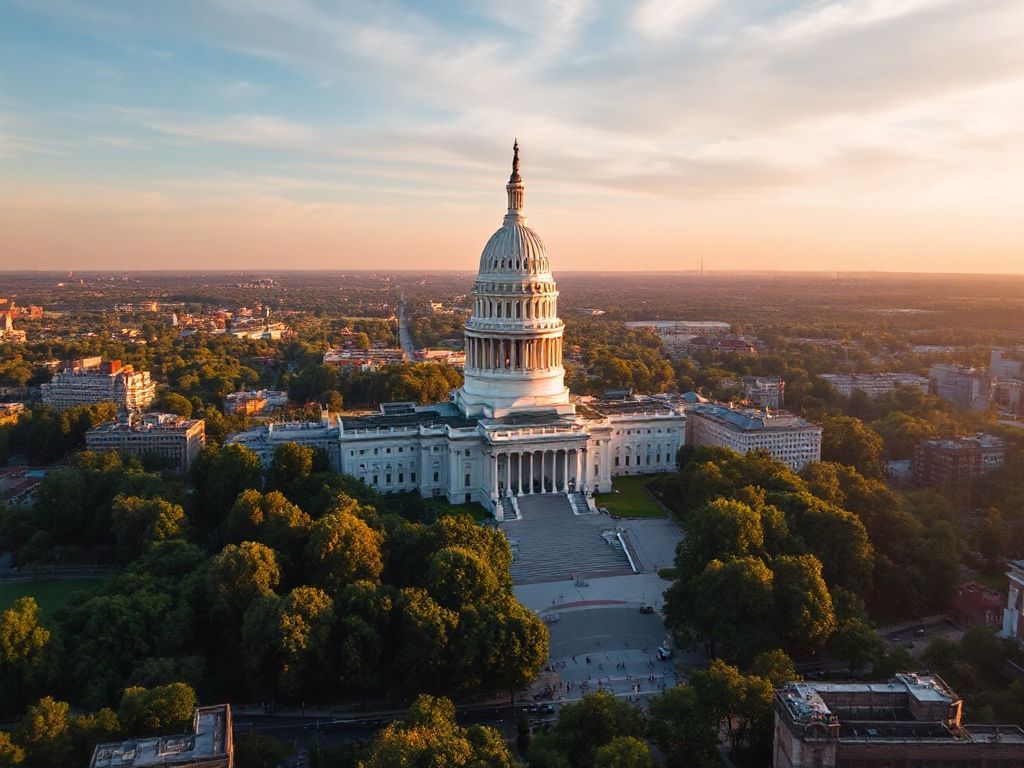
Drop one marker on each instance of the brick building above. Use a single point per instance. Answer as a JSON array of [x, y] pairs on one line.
[[955, 463], [912, 721]]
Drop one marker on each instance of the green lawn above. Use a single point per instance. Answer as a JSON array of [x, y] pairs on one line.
[[631, 500], [50, 595], [473, 509]]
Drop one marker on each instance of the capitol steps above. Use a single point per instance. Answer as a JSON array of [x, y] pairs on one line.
[[555, 545]]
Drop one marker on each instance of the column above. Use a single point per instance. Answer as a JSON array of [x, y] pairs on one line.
[[494, 474], [583, 475], [565, 471], [508, 474]]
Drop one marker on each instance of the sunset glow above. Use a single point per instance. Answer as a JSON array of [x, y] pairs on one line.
[[858, 135]]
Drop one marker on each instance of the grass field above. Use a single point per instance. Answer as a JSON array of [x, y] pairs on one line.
[[631, 500], [50, 595]]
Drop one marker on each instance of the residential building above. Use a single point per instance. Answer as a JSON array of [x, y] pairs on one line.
[[1012, 625], [874, 384], [975, 604], [911, 720], [1006, 363], [1007, 370], [512, 429], [968, 388], [175, 439], [210, 744], [355, 359], [954, 463], [788, 438], [764, 391], [453, 357], [89, 381], [729, 345], [255, 402], [688, 328]]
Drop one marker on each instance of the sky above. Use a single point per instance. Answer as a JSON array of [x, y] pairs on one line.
[[655, 134]]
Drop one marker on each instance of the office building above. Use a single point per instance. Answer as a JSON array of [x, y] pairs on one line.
[[174, 439], [764, 391], [788, 438], [955, 463], [968, 388]]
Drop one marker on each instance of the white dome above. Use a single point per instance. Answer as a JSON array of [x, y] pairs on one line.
[[514, 249]]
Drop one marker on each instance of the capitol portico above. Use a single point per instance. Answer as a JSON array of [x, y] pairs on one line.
[[512, 429]]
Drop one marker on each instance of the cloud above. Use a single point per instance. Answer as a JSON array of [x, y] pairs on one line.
[[664, 19], [241, 89]]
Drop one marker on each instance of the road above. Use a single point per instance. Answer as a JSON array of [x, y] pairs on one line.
[[403, 330]]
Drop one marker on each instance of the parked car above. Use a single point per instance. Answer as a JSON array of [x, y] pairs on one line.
[[546, 709]]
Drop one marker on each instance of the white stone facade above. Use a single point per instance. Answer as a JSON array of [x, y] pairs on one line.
[[512, 429], [786, 437]]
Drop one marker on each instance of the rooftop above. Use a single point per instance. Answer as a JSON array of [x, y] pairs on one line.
[[210, 740], [150, 422], [751, 420]]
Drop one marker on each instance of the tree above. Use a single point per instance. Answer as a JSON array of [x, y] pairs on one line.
[[459, 577], [682, 730], [43, 733], [856, 643], [775, 666], [623, 752], [291, 467], [23, 651], [11, 754], [343, 549], [254, 750], [285, 642], [269, 519], [740, 704], [172, 402], [137, 523], [429, 736], [803, 613], [156, 711], [586, 726], [847, 440], [717, 531], [425, 630], [720, 605], [239, 574], [220, 474]]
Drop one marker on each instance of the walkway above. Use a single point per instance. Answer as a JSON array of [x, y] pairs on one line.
[[555, 545]]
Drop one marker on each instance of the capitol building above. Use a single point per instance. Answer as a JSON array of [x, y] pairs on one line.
[[512, 429]]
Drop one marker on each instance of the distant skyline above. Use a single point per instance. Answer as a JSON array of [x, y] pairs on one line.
[[867, 135]]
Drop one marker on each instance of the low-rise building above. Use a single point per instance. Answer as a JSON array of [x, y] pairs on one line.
[[874, 384], [255, 402], [730, 345], [175, 439], [89, 380], [453, 357], [788, 438], [209, 745], [7, 329], [975, 604], [764, 391], [954, 463], [363, 359], [1013, 627], [911, 720], [264, 440], [968, 388]]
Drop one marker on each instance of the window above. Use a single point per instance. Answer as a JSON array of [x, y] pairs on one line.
[[401, 449], [387, 478], [627, 460], [362, 451], [388, 450], [401, 477], [435, 477], [376, 479], [468, 481], [375, 451], [412, 477], [467, 451], [616, 461]]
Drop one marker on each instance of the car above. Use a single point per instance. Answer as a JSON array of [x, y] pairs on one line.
[[664, 653], [920, 631], [646, 609], [546, 709]]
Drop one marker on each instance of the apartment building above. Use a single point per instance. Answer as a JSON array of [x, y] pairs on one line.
[[90, 380]]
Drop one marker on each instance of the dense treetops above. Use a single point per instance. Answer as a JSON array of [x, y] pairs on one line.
[[276, 586]]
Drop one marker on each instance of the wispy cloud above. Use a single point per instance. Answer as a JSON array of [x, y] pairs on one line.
[[241, 89]]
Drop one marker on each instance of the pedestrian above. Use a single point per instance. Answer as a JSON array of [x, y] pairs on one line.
[[573, 659]]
